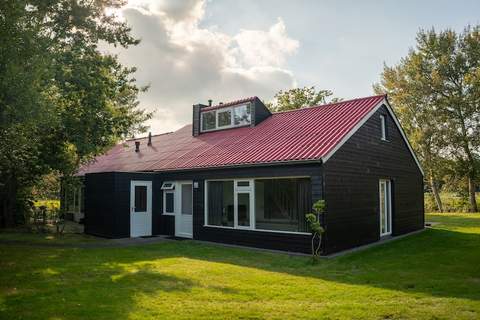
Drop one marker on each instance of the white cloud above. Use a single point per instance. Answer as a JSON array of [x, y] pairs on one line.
[[185, 63]]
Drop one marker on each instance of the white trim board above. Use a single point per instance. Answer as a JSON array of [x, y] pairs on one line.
[[362, 122]]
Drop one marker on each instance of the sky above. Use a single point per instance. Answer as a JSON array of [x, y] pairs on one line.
[[224, 50]]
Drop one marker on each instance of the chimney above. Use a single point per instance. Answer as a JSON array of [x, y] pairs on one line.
[[210, 102], [137, 146], [149, 139], [196, 119]]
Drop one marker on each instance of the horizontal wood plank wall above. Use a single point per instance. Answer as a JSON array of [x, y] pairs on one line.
[[99, 201], [268, 240], [352, 192], [107, 206], [108, 200]]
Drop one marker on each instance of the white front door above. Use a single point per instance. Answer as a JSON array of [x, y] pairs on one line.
[[385, 191], [140, 208], [184, 210]]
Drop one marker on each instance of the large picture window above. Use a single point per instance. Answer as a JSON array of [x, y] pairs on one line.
[[261, 204]]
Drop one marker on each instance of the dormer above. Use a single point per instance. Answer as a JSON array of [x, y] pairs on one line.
[[240, 113]]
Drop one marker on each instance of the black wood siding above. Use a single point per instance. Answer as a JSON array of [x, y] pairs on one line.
[[260, 239], [352, 186], [107, 210], [100, 204]]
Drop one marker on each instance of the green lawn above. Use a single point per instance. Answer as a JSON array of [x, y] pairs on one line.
[[431, 275]]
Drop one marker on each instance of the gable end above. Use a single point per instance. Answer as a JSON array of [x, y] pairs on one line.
[[388, 107]]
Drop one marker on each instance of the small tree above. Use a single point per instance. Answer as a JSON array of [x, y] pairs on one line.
[[316, 228]]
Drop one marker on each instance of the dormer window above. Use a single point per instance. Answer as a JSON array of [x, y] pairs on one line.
[[208, 120], [242, 115], [224, 118]]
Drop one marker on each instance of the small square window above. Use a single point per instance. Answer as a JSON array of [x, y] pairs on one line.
[[225, 118], [241, 115], [208, 120]]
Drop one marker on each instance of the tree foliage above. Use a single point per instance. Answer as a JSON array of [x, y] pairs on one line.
[[436, 90], [61, 100], [313, 220], [298, 98]]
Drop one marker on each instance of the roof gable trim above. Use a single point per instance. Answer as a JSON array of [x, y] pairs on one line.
[[362, 122]]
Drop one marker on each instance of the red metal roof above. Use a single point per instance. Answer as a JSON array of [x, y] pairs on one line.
[[228, 104], [299, 135]]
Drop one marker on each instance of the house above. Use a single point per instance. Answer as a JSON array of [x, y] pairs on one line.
[[242, 175]]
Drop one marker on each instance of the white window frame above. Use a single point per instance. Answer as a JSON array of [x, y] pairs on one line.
[[388, 200], [383, 126], [168, 185], [251, 190], [201, 120], [232, 116], [217, 125], [169, 191]]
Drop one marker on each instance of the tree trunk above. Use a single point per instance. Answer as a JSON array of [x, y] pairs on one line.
[[436, 194], [471, 191]]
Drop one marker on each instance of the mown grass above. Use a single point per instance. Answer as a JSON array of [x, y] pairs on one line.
[[431, 275]]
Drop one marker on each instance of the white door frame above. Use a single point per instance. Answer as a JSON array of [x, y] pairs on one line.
[[182, 219], [140, 222], [388, 206]]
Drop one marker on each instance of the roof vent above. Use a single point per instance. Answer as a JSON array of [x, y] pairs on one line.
[[137, 146], [149, 139], [210, 102], [220, 103]]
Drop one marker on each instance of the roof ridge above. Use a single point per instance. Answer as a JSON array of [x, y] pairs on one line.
[[331, 104], [230, 103], [153, 135]]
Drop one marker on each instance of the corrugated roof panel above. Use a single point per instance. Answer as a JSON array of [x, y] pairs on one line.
[[304, 134]]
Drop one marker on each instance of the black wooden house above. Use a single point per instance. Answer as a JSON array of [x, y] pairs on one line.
[[242, 175]]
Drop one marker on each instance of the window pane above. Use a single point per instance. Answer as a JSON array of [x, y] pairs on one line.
[[382, 207], [243, 209], [281, 204], [208, 120], [187, 199], [383, 126], [241, 115], [220, 203], [224, 118], [140, 198], [243, 183], [169, 202]]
